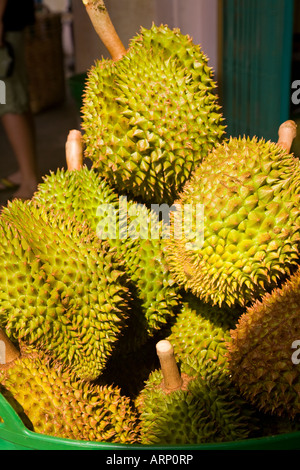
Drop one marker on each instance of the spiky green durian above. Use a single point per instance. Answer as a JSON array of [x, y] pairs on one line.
[[51, 401], [245, 237], [145, 263], [198, 331], [264, 351], [150, 117], [82, 194], [61, 290], [130, 228], [205, 410], [201, 331]]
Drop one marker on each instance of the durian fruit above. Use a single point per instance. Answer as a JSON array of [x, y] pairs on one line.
[[51, 401], [61, 290], [197, 330], [145, 263], [202, 331], [263, 351], [151, 113], [198, 410], [82, 194], [235, 233], [130, 228]]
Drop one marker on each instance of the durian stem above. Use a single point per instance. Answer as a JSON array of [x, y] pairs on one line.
[[104, 28], [74, 150], [8, 352], [171, 376], [287, 132]]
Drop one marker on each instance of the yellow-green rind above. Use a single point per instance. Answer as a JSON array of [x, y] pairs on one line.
[[201, 332], [51, 401], [246, 238], [264, 351], [131, 229], [61, 290], [207, 410], [151, 117]]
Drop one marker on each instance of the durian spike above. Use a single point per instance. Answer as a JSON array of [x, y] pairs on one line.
[[104, 28], [287, 132], [8, 352], [74, 150], [171, 376]]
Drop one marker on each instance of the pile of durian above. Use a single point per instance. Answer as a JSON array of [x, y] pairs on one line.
[[93, 276]]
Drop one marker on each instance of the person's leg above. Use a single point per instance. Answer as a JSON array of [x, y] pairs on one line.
[[20, 132], [17, 120]]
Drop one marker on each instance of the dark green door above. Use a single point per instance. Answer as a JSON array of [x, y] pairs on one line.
[[256, 75]]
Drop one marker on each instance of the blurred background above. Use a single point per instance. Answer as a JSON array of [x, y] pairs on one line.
[[253, 47]]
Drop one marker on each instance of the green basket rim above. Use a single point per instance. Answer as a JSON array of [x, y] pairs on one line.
[[14, 431]]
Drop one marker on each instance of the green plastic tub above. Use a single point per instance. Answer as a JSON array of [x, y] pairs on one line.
[[15, 436]]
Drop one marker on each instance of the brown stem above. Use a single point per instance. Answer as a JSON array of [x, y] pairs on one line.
[[8, 352], [171, 375], [286, 133], [104, 28], [74, 150]]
